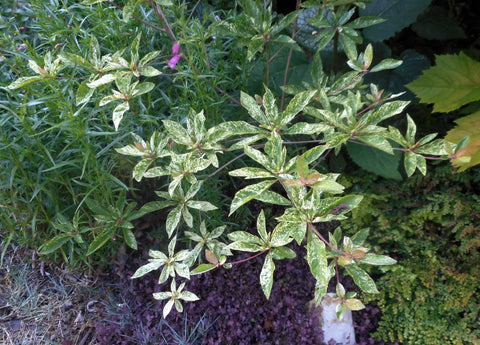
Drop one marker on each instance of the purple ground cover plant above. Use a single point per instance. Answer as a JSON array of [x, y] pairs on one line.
[[232, 309]]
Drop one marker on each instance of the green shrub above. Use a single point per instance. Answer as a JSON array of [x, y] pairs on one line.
[[430, 225]]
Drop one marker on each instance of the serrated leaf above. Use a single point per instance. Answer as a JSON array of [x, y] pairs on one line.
[[248, 193], [436, 23], [266, 275], [452, 83], [467, 155], [361, 278], [390, 10]]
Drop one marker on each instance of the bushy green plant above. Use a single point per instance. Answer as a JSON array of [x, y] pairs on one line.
[[429, 224], [181, 84]]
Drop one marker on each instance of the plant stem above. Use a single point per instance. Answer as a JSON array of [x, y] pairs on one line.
[[310, 225], [247, 259], [335, 52]]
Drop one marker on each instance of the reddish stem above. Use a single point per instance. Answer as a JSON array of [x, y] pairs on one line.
[[247, 259]]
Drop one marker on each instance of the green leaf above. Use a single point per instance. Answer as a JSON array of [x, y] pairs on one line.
[[317, 258], [436, 23], [248, 193], [280, 253], [251, 173], [140, 168], [118, 113], [100, 240], [54, 243], [203, 268], [376, 161], [24, 81], [177, 132], [151, 266], [386, 64], [295, 106], [266, 275], [84, 93], [379, 260], [244, 247], [270, 197], [173, 219], [128, 9], [129, 238], [201, 205], [262, 227], [243, 236], [452, 83], [398, 15], [410, 162], [254, 110], [354, 304], [361, 278], [467, 155]]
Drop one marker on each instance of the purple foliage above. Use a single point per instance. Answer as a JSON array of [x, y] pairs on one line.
[[232, 310]]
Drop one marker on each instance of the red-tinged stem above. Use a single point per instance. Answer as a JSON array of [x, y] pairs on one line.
[[247, 259], [310, 225]]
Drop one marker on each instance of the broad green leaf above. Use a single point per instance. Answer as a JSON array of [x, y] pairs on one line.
[[55, 243], [281, 235], [84, 93], [386, 64], [317, 258], [280, 253], [437, 23], [177, 132], [361, 278], [140, 168], [467, 127], [452, 83], [410, 162], [266, 275], [354, 304], [188, 296], [376, 161], [244, 247], [270, 197], [244, 236], [398, 14], [118, 113], [105, 79], [128, 9], [253, 108], [129, 238], [203, 268], [307, 128], [375, 259], [151, 266], [248, 193], [168, 307], [24, 81], [143, 88], [201, 205], [255, 45], [296, 229], [251, 173], [295, 106], [173, 219]]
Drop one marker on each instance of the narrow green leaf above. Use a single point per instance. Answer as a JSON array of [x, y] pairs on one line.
[[262, 227], [100, 240], [54, 243], [295, 106], [118, 113], [140, 168], [177, 132], [266, 275], [270, 197], [410, 163], [386, 64], [24, 81]]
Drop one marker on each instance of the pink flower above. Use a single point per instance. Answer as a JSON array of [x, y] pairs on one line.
[[22, 46], [172, 63]]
